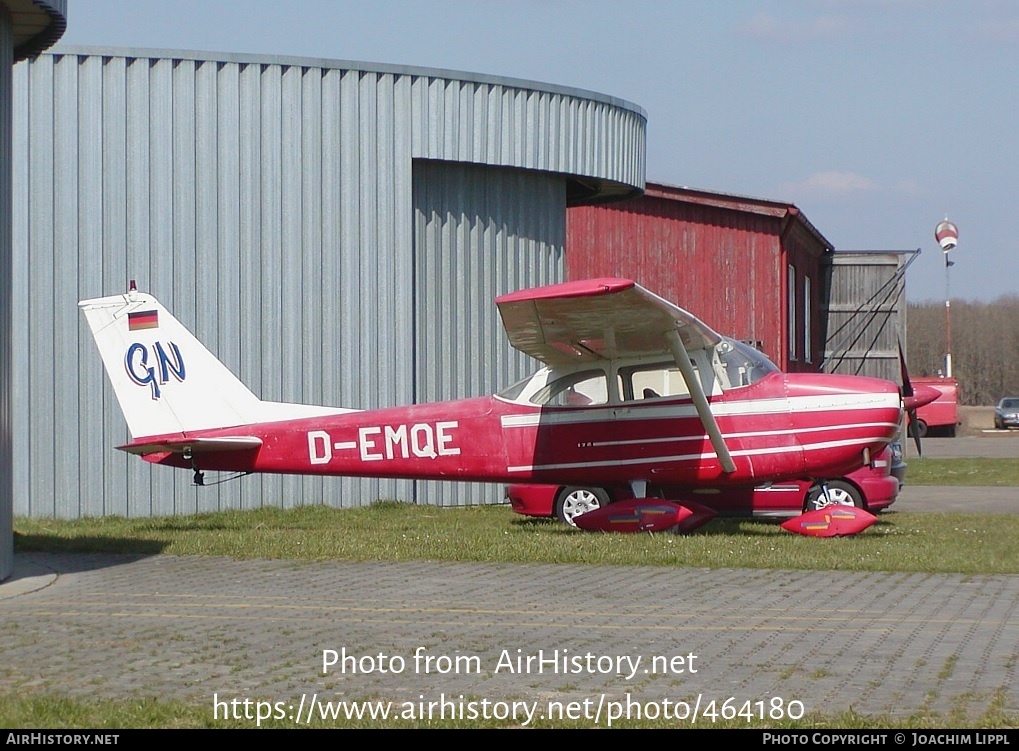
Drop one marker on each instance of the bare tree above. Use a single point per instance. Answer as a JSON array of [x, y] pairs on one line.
[[985, 345]]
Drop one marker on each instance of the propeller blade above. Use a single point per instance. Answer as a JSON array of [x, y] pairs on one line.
[[914, 431], [913, 399], [907, 387]]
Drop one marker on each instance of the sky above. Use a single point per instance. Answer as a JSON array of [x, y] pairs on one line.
[[877, 118]]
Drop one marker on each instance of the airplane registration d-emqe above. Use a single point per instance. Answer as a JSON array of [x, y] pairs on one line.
[[635, 394]]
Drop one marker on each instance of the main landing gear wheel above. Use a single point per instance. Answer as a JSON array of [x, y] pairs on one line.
[[840, 493], [572, 502]]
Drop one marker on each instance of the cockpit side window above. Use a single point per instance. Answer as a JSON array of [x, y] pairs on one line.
[[574, 390]]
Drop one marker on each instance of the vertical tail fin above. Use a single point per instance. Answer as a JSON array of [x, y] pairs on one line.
[[166, 381]]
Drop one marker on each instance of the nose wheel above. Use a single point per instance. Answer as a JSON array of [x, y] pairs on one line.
[[833, 493]]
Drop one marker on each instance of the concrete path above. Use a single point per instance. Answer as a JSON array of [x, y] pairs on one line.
[[214, 629]]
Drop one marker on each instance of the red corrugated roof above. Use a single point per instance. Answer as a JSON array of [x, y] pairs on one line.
[[763, 206]]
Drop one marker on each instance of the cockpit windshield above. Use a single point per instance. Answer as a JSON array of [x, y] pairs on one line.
[[743, 364]]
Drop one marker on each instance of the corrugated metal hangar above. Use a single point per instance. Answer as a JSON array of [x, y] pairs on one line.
[[335, 232], [26, 27]]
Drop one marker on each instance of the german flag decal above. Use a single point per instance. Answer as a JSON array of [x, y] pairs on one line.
[[143, 319]]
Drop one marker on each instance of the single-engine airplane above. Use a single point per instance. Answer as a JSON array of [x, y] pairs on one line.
[[635, 393]]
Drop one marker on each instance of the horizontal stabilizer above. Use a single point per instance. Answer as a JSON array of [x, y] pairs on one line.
[[194, 445]]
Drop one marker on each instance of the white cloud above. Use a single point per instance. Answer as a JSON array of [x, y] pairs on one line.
[[766, 26], [832, 183]]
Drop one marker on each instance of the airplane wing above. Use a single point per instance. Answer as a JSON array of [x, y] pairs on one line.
[[606, 319], [597, 319]]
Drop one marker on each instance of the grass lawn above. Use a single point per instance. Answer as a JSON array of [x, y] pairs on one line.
[[916, 542], [987, 472]]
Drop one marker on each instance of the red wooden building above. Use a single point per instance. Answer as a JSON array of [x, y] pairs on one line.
[[751, 268]]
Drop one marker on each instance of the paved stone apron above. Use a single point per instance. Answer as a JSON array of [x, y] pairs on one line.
[[190, 627]]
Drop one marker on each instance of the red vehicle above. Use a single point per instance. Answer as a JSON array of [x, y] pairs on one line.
[[636, 393], [941, 416], [872, 488]]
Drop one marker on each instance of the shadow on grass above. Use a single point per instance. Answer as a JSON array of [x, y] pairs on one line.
[[717, 527], [34, 543]]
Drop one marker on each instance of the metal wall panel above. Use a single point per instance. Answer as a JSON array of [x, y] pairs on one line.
[[270, 204], [24, 30], [222, 215], [471, 244], [6, 323]]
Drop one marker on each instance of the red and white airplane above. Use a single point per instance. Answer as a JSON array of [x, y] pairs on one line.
[[635, 393]]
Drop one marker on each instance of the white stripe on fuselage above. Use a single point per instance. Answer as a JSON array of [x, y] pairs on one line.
[[749, 434], [640, 411], [861, 442]]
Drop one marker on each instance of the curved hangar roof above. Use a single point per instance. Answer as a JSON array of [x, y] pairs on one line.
[[36, 24], [598, 141]]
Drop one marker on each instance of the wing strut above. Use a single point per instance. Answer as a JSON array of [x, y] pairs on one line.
[[700, 401]]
